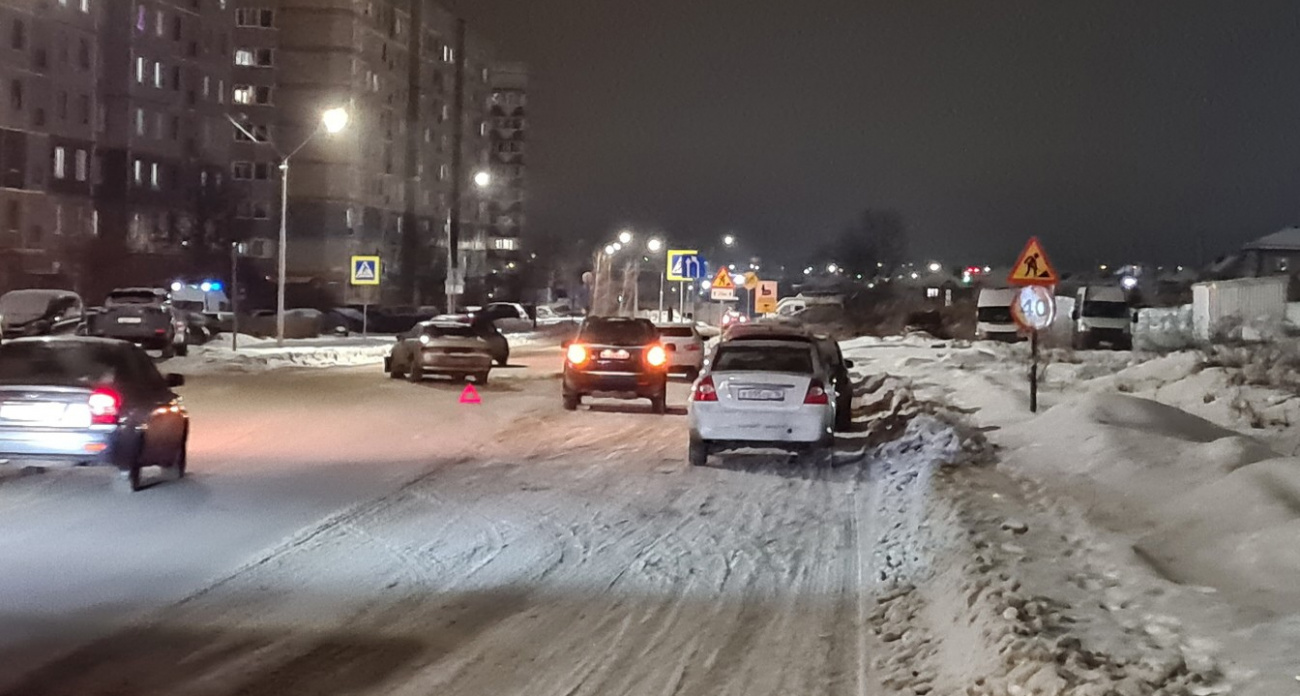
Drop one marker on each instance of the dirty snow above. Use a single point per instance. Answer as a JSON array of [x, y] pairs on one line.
[[1159, 517]]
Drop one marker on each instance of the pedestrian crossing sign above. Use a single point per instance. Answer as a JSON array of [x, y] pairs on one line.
[[1033, 268], [365, 270]]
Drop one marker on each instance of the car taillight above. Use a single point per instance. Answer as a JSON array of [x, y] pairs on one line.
[[577, 354], [704, 390], [816, 394], [693, 348], [105, 405], [656, 356]]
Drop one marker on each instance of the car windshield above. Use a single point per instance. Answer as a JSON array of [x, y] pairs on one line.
[[994, 314], [676, 331], [73, 364], [754, 358], [1106, 310], [619, 332], [451, 331]]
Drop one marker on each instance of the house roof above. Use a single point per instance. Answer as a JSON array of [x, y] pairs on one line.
[[1283, 240]]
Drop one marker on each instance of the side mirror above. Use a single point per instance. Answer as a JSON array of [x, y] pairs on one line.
[[175, 380], [848, 364]]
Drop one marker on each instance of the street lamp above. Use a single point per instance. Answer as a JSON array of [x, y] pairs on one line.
[[332, 121], [483, 179], [729, 240], [654, 245], [625, 237], [934, 266], [609, 249], [832, 268]]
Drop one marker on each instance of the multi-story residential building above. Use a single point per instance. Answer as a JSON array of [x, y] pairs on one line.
[[164, 144], [49, 65], [509, 128], [147, 134], [381, 186]]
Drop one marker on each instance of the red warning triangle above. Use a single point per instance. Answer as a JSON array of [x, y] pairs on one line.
[[1033, 268], [470, 395]]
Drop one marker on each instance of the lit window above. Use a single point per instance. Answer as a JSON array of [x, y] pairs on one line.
[[82, 165], [60, 163], [85, 5], [153, 176], [243, 94], [243, 56], [138, 172], [932, 292], [159, 23], [505, 244], [207, 85], [255, 17], [158, 74], [139, 121], [141, 65], [221, 91], [254, 58]]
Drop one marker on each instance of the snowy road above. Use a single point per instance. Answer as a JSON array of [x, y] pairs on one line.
[[437, 548]]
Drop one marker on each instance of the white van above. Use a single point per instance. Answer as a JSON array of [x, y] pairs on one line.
[[1102, 315], [993, 320]]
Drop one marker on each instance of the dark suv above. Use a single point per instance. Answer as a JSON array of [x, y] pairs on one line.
[[616, 357]]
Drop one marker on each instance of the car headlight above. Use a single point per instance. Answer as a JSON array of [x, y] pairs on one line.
[[426, 339]]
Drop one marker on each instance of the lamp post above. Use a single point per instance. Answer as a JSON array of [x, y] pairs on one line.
[[331, 121], [656, 245]]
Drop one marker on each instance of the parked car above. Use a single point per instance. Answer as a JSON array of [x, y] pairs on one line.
[[827, 347], [509, 317], [143, 316], [616, 357], [993, 320], [40, 313], [685, 348], [485, 328], [90, 401], [450, 348], [763, 394]]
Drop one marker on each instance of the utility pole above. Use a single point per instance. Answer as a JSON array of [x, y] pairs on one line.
[[454, 279]]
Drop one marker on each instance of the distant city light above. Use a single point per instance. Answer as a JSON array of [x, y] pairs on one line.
[[705, 285], [880, 264], [655, 244], [618, 246], [731, 267], [1129, 282], [934, 266], [915, 275], [807, 270], [1101, 267], [729, 240], [625, 237], [609, 249], [832, 268], [988, 269]]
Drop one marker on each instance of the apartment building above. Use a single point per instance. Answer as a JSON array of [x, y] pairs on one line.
[[382, 185], [163, 149], [506, 208], [49, 65], [146, 135]]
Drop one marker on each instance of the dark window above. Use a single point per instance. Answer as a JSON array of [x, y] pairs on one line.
[[176, 28], [629, 332], [1106, 310], [676, 331], [70, 363], [41, 58], [451, 331], [176, 78], [16, 95], [38, 117], [84, 108], [746, 358], [995, 314], [83, 54], [61, 104], [18, 35], [13, 216]]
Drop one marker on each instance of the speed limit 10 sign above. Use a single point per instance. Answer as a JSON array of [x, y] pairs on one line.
[[1034, 308]]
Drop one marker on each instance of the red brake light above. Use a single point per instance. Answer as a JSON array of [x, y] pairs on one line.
[[656, 356], [105, 405], [816, 394], [577, 354], [704, 390]]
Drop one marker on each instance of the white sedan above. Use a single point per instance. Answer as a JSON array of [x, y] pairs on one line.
[[762, 394]]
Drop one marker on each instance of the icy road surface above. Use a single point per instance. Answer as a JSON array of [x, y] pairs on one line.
[[513, 548]]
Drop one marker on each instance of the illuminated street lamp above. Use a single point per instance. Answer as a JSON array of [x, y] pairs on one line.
[[332, 121], [483, 179], [655, 245], [609, 249], [729, 240], [625, 237], [832, 268], [934, 266]]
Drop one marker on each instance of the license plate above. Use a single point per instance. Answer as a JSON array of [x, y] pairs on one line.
[[760, 395], [614, 355], [129, 320], [31, 413]]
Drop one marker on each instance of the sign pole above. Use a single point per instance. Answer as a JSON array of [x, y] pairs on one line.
[[1033, 371], [234, 296], [365, 319]]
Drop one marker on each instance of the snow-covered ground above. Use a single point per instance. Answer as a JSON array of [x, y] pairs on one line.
[[257, 354], [1141, 533]]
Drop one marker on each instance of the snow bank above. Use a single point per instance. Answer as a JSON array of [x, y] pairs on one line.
[[260, 356], [1164, 328]]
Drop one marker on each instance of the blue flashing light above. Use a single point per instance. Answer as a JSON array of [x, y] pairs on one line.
[[215, 286]]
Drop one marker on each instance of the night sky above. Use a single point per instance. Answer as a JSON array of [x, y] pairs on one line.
[[1166, 131]]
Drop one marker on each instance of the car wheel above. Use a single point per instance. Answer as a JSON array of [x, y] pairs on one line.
[[177, 468], [481, 379], [390, 366], [416, 373], [168, 350], [505, 359], [697, 452], [659, 404], [182, 349], [130, 479], [572, 401], [844, 414]]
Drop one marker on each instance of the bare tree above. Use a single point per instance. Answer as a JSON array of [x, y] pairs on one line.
[[876, 239]]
